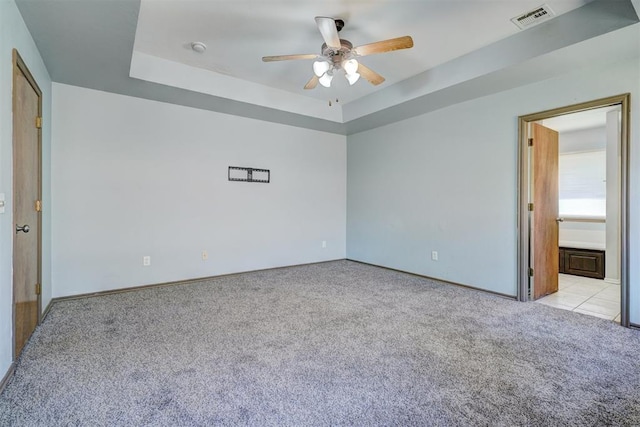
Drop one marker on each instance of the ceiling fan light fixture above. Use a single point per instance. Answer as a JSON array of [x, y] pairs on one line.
[[340, 54], [325, 80], [350, 66], [320, 68], [352, 78]]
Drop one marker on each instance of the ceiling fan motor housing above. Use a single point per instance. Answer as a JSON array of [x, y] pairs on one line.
[[337, 56]]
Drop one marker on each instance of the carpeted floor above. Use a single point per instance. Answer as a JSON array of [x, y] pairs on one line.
[[338, 343]]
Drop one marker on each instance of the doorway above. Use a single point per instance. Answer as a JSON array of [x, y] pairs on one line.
[[27, 205], [541, 255]]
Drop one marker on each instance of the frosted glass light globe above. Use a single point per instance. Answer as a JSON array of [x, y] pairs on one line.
[[350, 66], [352, 78], [320, 67], [325, 80]]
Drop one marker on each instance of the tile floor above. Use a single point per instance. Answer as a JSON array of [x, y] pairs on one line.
[[587, 296]]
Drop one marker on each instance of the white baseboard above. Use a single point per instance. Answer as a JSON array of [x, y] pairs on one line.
[[612, 281]]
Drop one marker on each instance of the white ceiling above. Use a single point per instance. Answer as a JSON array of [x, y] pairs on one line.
[[239, 33], [588, 119], [464, 49]]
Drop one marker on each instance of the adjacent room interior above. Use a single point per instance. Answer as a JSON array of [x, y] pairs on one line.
[[277, 213], [589, 206]]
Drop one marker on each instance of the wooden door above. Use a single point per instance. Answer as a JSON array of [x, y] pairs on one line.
[[26, 203], [544, 159]]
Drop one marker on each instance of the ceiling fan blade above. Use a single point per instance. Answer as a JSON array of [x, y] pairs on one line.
[[370, 75], [404, 42], [312, 83], [289, 57], [327, 27]]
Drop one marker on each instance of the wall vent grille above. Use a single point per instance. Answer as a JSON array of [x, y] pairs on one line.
[[533, 17]]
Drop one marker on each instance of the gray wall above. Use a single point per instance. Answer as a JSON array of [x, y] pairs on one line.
[[447, 181], [134, 178], [439, 182], [14, 34]]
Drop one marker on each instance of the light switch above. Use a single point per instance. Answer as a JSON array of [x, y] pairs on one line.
[[2, 202]]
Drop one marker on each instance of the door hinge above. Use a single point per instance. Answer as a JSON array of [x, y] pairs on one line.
[[530, 142], [39, 122], [38, 206], [530, 272], [530, 207], [38, 289]]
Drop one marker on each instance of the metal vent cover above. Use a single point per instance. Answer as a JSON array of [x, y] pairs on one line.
[[533, 17]]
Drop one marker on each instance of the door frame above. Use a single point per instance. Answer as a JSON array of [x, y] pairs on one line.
[[524, 186], [19, 67]]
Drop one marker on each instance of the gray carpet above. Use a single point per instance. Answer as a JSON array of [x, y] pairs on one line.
[[338, 343]]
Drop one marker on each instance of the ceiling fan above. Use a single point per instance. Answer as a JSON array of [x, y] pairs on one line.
[[339, 54]]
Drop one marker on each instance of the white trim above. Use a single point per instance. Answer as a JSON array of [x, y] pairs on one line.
[[581, 245]]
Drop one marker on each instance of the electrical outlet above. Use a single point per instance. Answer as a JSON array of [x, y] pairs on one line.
[[205, 255], [434, 255], [324, 244], [146, 261]]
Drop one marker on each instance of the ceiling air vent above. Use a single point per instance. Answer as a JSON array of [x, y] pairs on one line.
[[533, 17]]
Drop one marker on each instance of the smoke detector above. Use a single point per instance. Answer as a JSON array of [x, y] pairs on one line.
[[533, 17], [198, 47]]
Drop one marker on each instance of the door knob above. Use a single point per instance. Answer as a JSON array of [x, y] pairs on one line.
[[24, 228], [560, 219]]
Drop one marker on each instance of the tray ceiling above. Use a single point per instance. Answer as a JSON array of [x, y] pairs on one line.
[[143, 49]]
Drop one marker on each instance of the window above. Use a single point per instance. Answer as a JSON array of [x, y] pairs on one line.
[[582, 184]]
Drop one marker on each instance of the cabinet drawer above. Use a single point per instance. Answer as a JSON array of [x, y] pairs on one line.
[[582, 262]]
